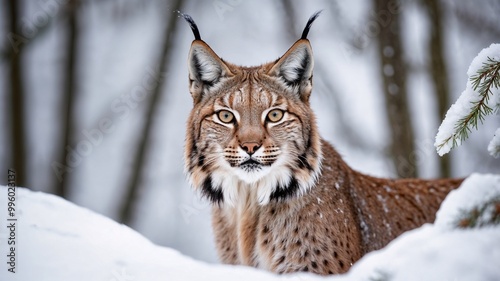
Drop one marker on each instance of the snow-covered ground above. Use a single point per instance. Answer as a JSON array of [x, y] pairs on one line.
[[57, 240], [121, 41]]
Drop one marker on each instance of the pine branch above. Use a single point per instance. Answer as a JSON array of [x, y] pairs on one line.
[[486, 214], [486, 78]]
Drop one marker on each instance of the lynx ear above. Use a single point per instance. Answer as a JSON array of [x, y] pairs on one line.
[[206, 69], [296, 64], [295, 67]]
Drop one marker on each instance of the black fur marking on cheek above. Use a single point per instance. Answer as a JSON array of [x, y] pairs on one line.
[[215, 195], [282, 193], [201, 160], [303, 163], [309, 139], [296, 144]]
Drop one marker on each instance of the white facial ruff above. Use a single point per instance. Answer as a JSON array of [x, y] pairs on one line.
[[237, 184]]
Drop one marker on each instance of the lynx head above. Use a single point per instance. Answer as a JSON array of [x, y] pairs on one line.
[[251, 129]]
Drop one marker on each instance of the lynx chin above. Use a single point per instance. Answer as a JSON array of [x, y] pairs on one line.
[[283, 198]]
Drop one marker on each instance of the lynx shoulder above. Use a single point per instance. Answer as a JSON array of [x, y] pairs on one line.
[[283, 198]]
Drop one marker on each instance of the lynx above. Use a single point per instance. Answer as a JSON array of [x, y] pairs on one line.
[[283, 198]]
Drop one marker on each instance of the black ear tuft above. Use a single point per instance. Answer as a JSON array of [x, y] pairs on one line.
[[309, 23], [192, 24]]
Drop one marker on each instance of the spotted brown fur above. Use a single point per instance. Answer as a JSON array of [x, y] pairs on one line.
[[297, 206]]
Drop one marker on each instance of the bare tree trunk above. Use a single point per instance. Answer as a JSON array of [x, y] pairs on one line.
[[393, 72], [349, 133], [69, 94], [290, 19], [438, 70], [473, 20], [21, 40], [19, 137], [133, 184]]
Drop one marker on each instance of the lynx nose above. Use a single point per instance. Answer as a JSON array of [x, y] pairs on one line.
[[250, 147]]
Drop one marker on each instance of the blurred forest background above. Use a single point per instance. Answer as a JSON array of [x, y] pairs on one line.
[[94, 94]]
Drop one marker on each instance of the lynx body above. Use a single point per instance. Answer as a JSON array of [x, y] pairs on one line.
[[283, 198]]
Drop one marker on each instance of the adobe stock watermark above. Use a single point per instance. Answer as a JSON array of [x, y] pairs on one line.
[[297, 277], [195, 208], [379, 20], [12, 227], [121, 109], [223, 6], [121, 275], [30, 25], [423, 149]]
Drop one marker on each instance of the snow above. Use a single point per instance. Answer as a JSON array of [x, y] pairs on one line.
[[431, 254], [475, 191], [437, 251], [121, 41], [494, 146], [58, 240], [462, 107]]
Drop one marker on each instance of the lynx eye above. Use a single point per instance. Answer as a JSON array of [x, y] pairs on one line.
[[225, 116], [275, 115]]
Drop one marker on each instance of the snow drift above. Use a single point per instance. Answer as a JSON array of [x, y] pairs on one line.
[[57, 240]]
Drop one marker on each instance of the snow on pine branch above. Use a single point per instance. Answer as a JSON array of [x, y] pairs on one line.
[[481, 97], [494, 146]]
